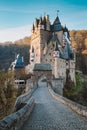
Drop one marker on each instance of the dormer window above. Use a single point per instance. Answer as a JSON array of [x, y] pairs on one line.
[[57, 27]]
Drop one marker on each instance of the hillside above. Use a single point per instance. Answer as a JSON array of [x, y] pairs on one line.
[[79, 42], [9, 50]]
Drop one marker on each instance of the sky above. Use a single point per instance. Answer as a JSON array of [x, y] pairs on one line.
[[17, 16]]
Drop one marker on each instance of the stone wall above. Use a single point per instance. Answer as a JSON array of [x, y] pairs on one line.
[[62, 68], [72, 70], [29, 84], [16, 120], [37, 74], [57, 85], [22, 100], [82, 110], [23, 107]]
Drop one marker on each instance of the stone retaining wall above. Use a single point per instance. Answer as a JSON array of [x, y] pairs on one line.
[[24, 106], [23, 98], [57, 85], [82, 110], [16, 120]]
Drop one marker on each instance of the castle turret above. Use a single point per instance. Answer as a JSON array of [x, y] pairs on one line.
[[58, 29], [41, 24], [47, 23], [57, 24], [33, 28]]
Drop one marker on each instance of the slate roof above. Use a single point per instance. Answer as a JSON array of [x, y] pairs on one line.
[[19, 62], [56, 21], [57, 24], [44, 67], [65, 29], [55, 38], [70, 53]]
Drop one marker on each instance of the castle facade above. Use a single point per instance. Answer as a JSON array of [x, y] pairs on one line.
[[51, 43]]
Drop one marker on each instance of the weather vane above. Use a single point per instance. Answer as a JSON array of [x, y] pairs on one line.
[[57, 12]]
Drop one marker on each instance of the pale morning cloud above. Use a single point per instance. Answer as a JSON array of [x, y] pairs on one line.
[[13, 34]]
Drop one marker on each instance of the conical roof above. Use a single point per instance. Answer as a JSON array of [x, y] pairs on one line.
[[57, 24], [19, 62], [65, 29], [56, 21]]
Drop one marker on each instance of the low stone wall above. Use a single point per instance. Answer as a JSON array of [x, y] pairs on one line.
[[23, 107], [23, 99], [82, 110], [16, 120]]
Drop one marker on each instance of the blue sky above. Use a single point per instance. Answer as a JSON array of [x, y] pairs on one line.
[[17, 16]]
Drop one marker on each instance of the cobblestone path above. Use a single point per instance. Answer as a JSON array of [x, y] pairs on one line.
[[49, 114]]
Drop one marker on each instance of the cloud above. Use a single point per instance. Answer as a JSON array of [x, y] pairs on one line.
[[14, 34], [2, 9], [76, 20]]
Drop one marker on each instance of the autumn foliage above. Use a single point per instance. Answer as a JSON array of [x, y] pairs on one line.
[[79, 42]]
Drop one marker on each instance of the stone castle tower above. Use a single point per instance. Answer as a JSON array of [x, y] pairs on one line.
[[51, 43]]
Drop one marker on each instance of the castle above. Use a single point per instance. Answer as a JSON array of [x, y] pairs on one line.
[[51, 43]]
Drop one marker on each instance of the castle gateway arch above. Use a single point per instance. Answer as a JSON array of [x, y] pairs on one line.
[[42, 71]]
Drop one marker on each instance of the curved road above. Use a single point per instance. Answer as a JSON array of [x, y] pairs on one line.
[[50, 114]]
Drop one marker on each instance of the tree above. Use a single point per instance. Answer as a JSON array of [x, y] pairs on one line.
[[7, 93]]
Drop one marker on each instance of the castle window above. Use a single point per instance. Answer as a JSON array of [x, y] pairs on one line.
[[50, 60], [50, 54], [53, 45]]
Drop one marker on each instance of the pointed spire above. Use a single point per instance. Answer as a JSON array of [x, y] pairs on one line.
[[19, 62], [33, 28], [56, 21], [65, 28], [40, 22], [57, 12], [57, 24]]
